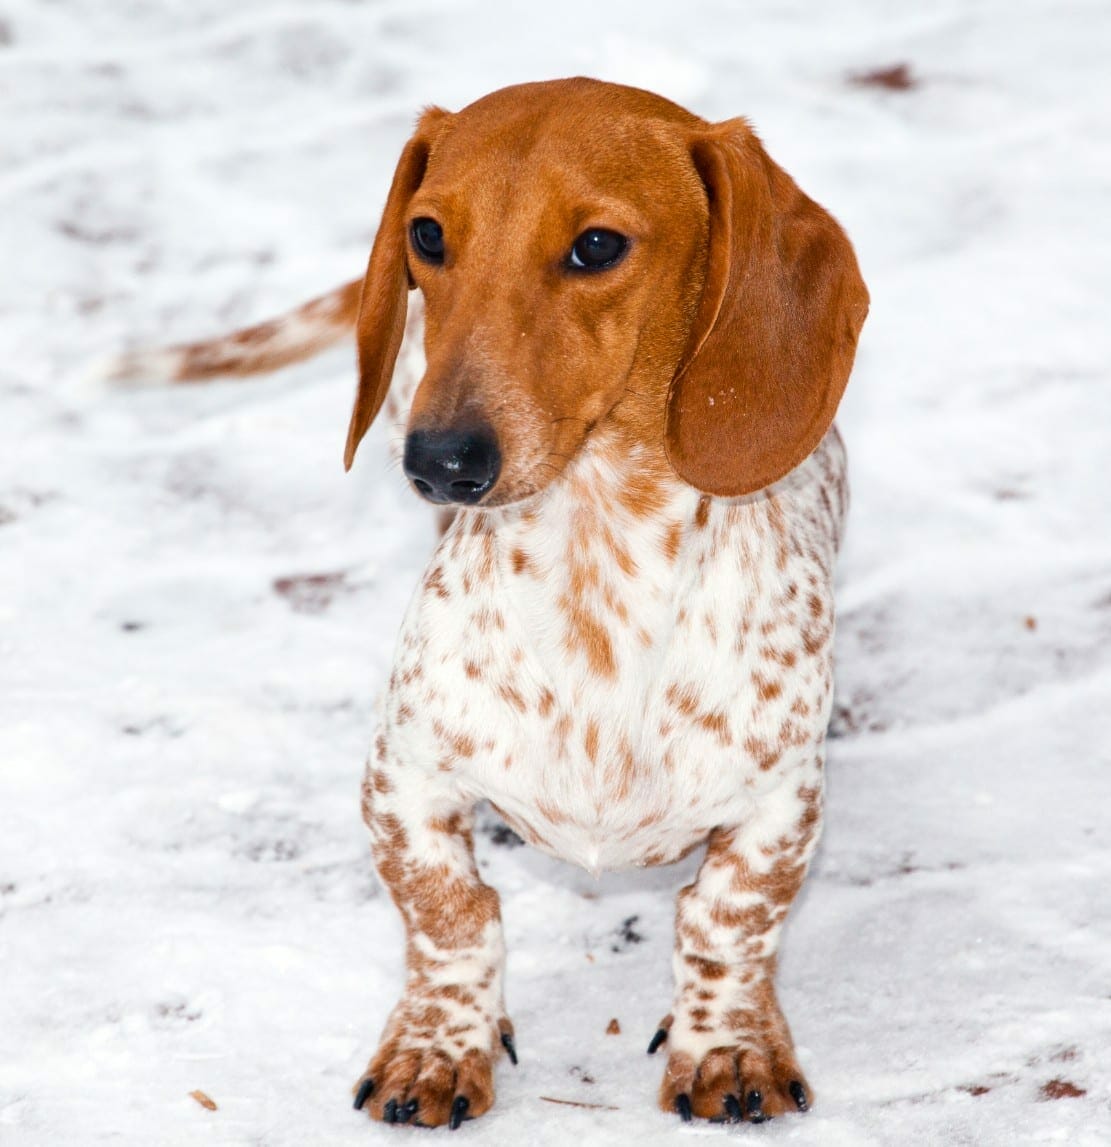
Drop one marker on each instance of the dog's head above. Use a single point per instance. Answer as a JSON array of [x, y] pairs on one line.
[[591, 253]]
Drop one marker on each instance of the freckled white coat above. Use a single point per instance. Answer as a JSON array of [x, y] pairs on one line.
[[717, 615]]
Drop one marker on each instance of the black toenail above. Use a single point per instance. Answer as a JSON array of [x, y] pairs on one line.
[[458, 1112]]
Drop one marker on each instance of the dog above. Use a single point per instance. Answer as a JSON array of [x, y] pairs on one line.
[[637, 331]]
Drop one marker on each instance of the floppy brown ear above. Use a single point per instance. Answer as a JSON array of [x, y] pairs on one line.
[[382, 307], [774, 336]]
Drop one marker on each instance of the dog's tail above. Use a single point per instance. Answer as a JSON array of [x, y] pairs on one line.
[[295, 336]]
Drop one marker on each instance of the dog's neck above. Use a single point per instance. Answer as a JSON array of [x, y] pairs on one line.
[[616, 493]]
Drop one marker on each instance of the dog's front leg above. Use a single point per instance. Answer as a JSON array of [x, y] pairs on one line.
[[435, 1061], [731, 1056]]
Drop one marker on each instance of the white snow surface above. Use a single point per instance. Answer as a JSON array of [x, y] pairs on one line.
[[198, 608]]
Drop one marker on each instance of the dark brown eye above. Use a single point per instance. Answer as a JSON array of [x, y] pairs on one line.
[[596, 249], [428, 239]]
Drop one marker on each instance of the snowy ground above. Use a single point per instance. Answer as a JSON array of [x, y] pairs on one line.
[[197, 607]]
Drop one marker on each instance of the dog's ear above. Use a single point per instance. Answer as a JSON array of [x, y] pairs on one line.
[[775, 332], [382, 307]]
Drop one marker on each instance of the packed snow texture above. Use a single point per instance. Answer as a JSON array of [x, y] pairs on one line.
[[198, 608]]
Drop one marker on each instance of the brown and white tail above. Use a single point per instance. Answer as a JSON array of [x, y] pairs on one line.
[[298, 335]]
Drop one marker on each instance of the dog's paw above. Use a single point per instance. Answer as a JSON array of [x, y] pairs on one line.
[[750, 1080], [429, 1082]]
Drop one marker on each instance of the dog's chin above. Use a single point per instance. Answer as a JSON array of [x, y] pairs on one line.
[[521, 491], [516, 495], [504, 495]]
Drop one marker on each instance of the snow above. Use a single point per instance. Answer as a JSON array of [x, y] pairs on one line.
[[197, 606]]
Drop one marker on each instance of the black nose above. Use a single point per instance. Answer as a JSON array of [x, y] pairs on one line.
[[452, 465]]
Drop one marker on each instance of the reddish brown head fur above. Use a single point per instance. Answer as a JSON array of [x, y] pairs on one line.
[[721, 341]]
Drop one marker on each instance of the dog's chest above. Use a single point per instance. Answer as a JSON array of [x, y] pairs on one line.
[[616, 684]]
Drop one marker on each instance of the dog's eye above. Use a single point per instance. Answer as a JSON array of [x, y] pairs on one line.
[[597, 248], [428, 239]]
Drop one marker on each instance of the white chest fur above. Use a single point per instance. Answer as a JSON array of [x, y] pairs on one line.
[[620, 675]]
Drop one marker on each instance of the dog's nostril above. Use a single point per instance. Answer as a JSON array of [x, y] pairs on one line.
[[422, 485], [465, 486]]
